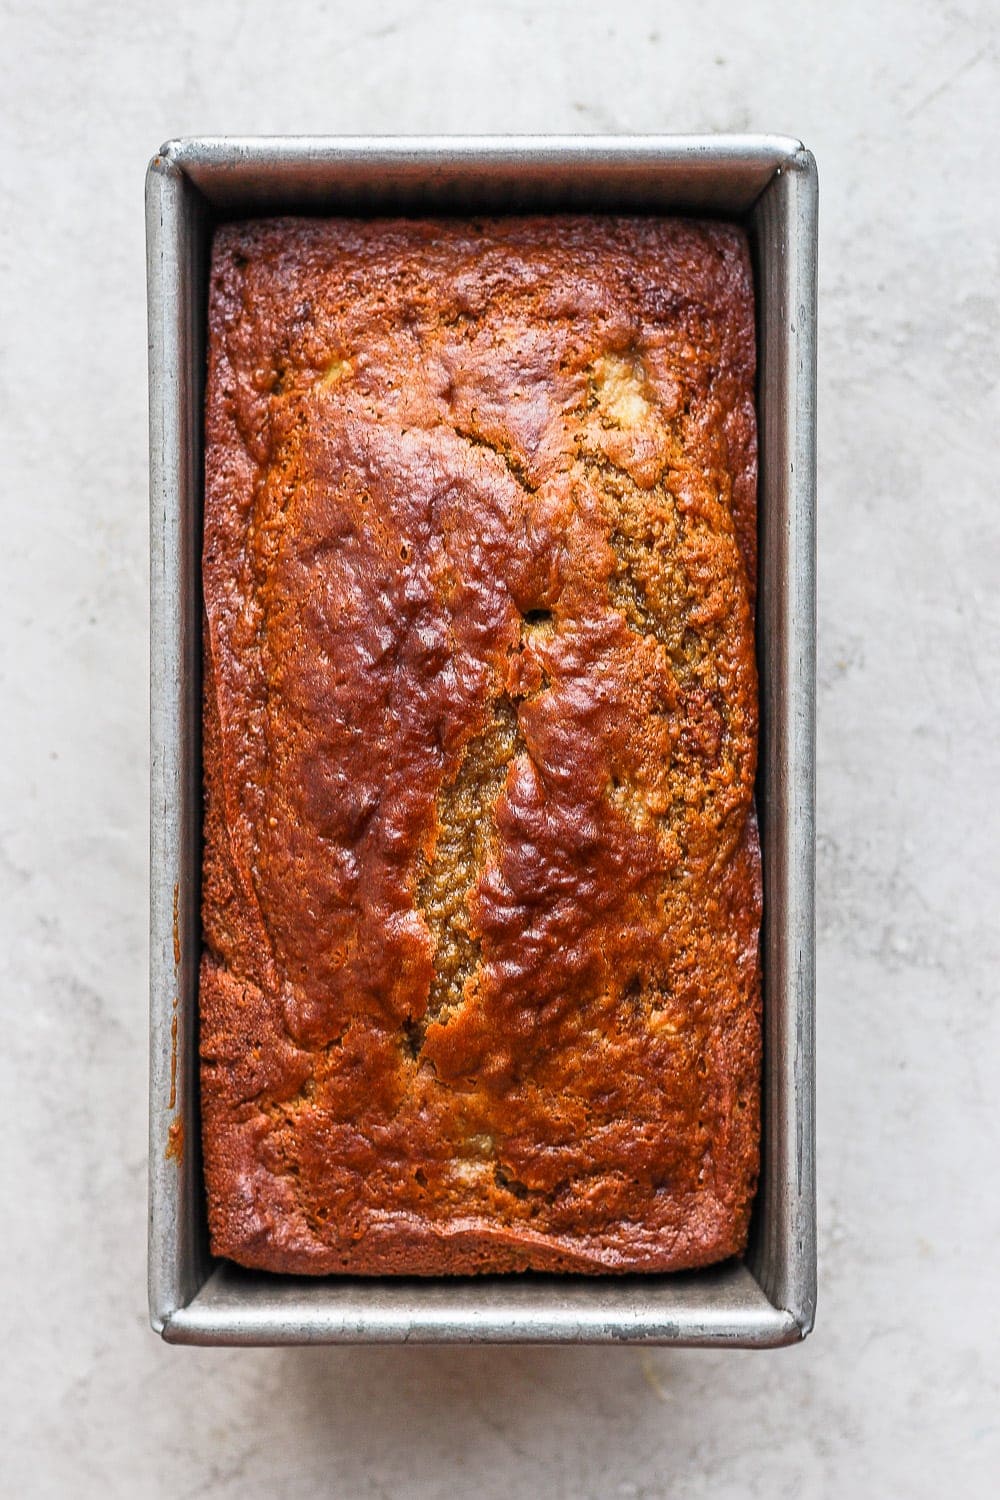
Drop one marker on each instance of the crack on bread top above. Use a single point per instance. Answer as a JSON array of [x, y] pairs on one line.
[[463, 835]]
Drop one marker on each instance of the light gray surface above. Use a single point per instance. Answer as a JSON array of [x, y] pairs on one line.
[[770, 1299], [895, 1394]]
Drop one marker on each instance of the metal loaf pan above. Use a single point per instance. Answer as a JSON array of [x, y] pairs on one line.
[[769, 182]]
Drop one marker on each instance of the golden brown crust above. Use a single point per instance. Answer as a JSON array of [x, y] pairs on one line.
[[480, 988]]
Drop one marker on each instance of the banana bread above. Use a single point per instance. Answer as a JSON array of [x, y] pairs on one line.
[[480, 987]]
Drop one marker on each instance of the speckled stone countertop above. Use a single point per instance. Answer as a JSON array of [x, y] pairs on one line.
[[896, 1391]]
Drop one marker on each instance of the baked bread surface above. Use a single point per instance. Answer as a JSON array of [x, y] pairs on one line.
[[481, 895]]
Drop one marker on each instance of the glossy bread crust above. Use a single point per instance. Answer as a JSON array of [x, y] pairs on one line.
[[480, 988]]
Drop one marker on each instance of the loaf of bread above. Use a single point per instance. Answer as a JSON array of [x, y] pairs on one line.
[[480, 988]]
